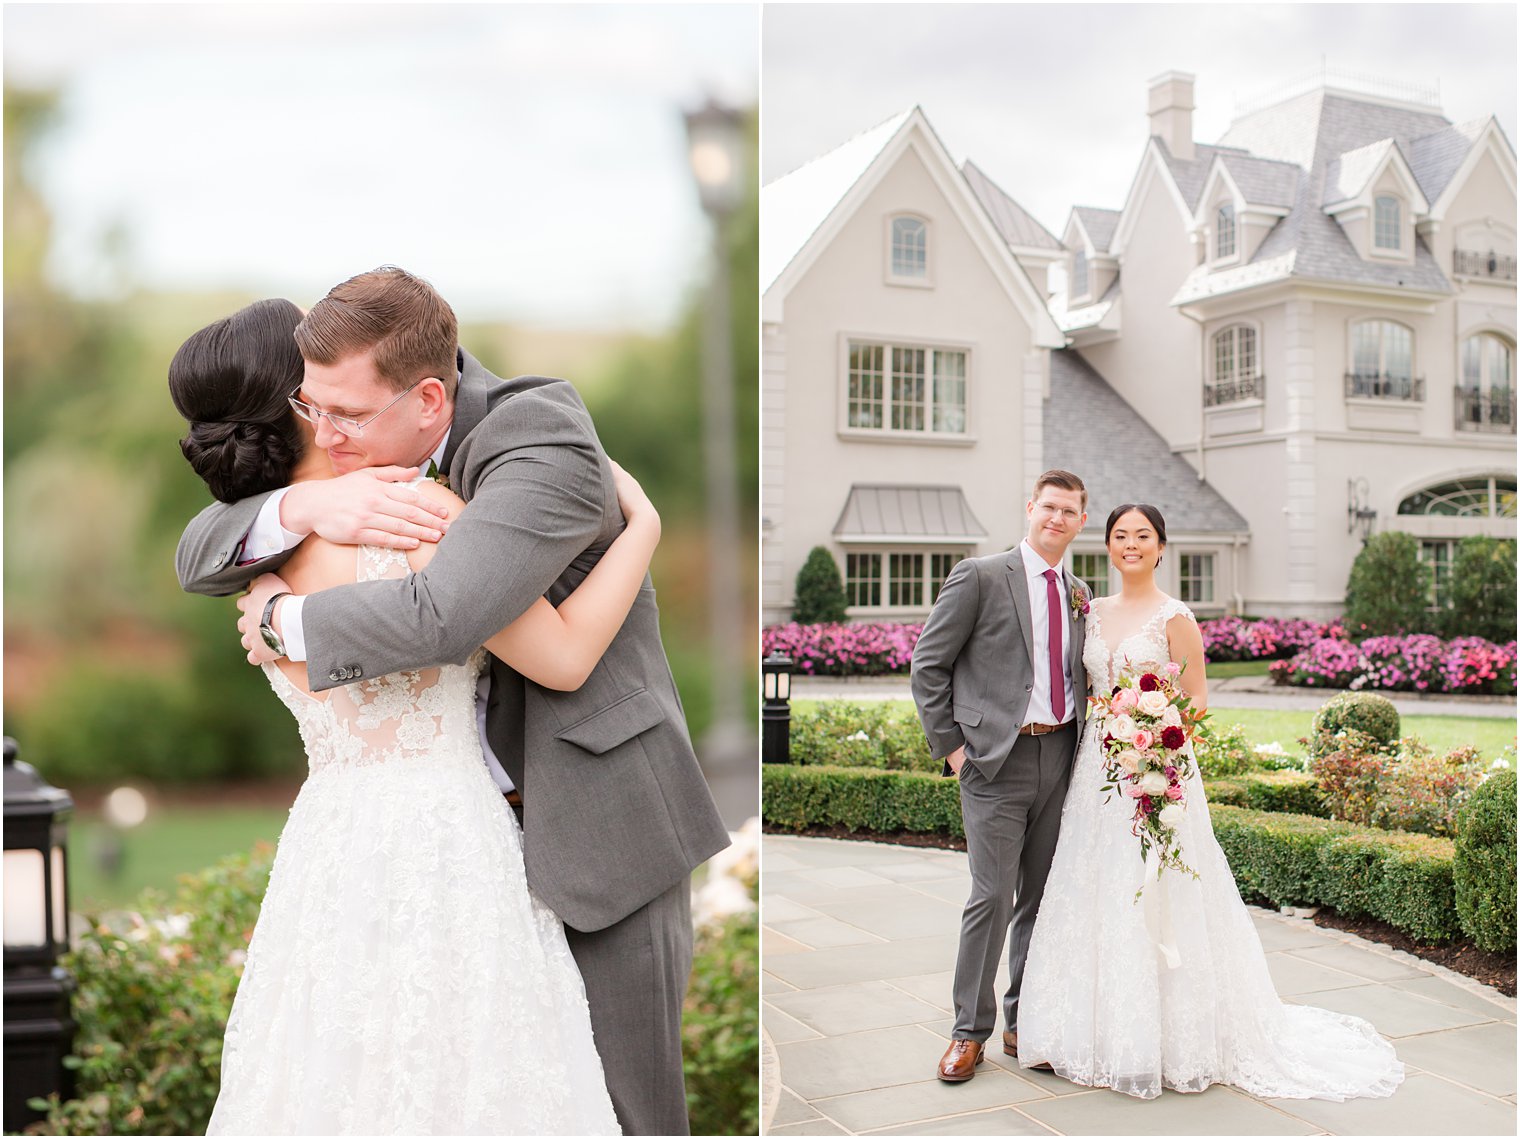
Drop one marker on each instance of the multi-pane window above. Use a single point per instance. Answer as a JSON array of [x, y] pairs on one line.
[[898, 579], [1439, 554], [1385, 222], [862, 579], [1382, 360], [1195, 579], [1486, 394], [1224, 231], [910, 247], [1093, 569], [1236, 375], [1079, 274], [1469, 498], [908, 389]]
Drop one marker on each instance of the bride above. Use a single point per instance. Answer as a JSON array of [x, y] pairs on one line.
[[401, 978], [1171, 990]]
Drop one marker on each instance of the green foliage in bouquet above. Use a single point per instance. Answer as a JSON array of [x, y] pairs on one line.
[[1388, 588], [1484, 869], [843, 733], [155, 988], [819, 598]]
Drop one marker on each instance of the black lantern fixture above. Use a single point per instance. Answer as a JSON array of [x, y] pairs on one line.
[[776, 710], [1359, 515], [39, 1029]]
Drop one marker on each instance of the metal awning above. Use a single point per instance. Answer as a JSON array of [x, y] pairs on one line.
[[908, 514]]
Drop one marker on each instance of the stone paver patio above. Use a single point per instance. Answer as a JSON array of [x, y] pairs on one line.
[[858, 946]]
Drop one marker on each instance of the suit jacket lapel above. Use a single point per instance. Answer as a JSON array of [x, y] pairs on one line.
[[1074, 628], [470, 404], [1018, 585]]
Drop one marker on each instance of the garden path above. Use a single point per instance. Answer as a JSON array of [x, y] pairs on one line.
[[1232, 692], [858, 946]]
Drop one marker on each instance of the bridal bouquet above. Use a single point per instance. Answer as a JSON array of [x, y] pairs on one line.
[[1147, 721]]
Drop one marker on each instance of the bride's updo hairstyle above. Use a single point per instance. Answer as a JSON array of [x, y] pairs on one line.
[[230, 381], [1152, 515]]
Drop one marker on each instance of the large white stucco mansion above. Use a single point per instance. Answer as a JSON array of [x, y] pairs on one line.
[[1287, 340]]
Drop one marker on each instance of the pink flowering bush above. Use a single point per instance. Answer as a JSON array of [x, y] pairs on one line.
[[843, 650], [1416, 662], [1266, 638]]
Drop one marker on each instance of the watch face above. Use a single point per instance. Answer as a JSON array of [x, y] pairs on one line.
[[271, 639]]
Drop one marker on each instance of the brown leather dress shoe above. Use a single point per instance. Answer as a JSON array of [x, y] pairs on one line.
[[1011, 1047], [959, 1062]]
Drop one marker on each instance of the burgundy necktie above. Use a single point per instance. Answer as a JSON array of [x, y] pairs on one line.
[[1057, 673]]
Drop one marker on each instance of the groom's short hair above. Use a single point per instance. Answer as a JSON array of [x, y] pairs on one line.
[[1063, 479], [411, 329]]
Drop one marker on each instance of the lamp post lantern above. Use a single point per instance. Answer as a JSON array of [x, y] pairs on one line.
[[716, 145], [776, 710], [38, 1026]]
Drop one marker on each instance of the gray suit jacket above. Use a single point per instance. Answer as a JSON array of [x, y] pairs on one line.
[[973, 665], [615, 807]]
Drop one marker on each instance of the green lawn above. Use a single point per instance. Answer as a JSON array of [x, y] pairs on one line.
[[1230, 668], [174, 840], [1443, 733]]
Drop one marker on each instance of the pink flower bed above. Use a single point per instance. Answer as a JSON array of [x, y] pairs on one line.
[[1266, 638], [843, 650], [1414, 662]]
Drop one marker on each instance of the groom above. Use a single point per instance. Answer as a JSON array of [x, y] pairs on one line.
[[615, 811], [1001, 692]]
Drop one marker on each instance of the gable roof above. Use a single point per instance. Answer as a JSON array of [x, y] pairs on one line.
[[1018, 227], [802, 211], [1262, 181], [1091, 430], [1189, 174], [1098, 224]]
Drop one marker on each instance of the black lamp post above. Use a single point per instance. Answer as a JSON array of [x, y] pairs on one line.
[[38, 1027], [776, 710]]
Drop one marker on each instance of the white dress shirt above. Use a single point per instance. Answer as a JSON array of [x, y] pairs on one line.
[[1040, 710], [267, 537]]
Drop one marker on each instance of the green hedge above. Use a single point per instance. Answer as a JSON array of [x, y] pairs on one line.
[[1293, 792], [844, 733], [1297, 860], [861, 799], [1485, 864]]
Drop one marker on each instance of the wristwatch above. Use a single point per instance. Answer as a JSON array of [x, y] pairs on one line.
[[266, 628]]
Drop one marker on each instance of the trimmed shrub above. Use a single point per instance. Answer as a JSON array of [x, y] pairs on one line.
[[1362, 712], [1388, 587], [847, 734], [860, 799], [1295, 860], [1222, 750], [1483, 589], [819, 596], [1426, 792], [1484, 869], [1290, 792]]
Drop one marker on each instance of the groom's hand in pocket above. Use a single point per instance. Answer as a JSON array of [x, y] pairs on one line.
[[366, 507], [956, 758]]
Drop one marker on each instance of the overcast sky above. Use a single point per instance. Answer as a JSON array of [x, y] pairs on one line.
[[530, 160], [1049, 99]]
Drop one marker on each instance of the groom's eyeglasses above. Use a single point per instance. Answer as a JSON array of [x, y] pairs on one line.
[[343, 424], [1065, 512]]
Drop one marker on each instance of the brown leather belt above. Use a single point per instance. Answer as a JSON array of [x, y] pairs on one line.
[[1042, 729], [513, 798]]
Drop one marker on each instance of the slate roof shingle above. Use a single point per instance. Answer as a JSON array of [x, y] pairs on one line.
[[1090, 430], [1017, 226], [1100, 225]]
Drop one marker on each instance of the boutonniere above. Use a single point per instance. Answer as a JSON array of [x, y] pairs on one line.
[[436, 475], [1079, 606]]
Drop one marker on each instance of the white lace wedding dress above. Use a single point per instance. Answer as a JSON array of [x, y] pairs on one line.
[[401, 979], [1099, 1001]]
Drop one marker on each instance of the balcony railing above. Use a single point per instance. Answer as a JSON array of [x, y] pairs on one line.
[[1491, 410], [1233, 391], [1380, 385], [1470, 263]]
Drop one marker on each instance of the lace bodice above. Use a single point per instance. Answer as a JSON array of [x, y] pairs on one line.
[[422, 715], [1146, 644]]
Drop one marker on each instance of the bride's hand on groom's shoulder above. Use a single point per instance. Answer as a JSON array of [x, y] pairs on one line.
[[366, 507], [632, 500]]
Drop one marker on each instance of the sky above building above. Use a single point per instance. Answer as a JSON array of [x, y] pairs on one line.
[[1050, 99], [530, 160]]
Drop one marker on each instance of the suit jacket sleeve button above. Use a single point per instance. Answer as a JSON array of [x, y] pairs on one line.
[[358, 672], [334, 675]]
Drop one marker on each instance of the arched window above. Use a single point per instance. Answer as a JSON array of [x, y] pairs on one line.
[[1079, 274], [1224, 231], [910, 247], [1486, 394], [1382, 361], [1386, 230], [1237, 371], [1480, 497]]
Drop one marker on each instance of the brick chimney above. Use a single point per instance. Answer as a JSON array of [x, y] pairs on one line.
[[1171, 111]]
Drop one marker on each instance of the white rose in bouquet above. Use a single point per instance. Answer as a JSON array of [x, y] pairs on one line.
[[1153, 703], [1129, 760], [1153, 783], [1121, 728], [1170, 815], [1171, 718]]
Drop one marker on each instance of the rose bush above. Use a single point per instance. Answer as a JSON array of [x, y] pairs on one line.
[[1416, 662], [843, 650]]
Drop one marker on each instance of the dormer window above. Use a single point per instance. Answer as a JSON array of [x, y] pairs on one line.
[[910, 248], [1079, 274], [1386, 226], [1224, 232]]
